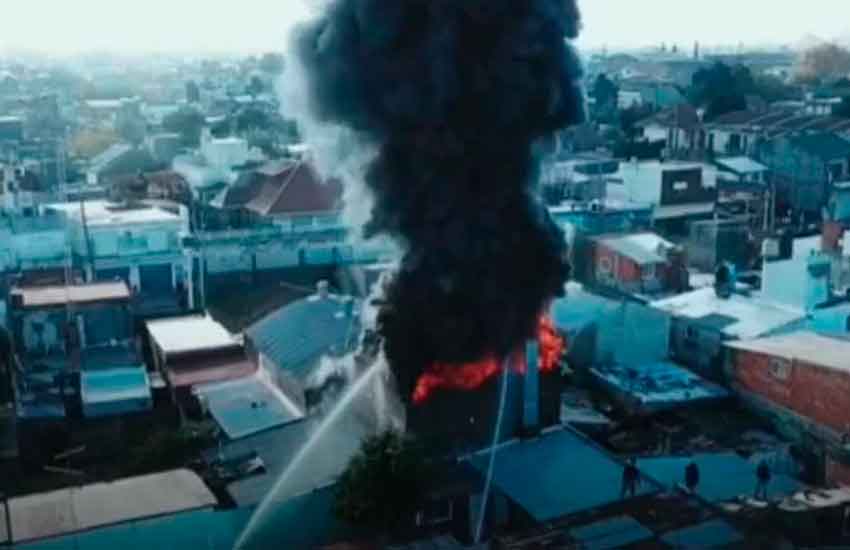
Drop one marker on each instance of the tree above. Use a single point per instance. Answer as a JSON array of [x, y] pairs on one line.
[[131, 129], [252, 118], [721, 88], [193, 92], [843, 109], [255, 86], [384, 484], [605, 91], [630, 117], [188, 123], [824, 62], [771, 88], [272, 63]]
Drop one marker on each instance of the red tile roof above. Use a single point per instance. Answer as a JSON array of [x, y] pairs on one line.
[[296, 189]]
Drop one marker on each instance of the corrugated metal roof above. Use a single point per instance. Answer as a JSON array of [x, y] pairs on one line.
[[247, 406], [299, 334], [533, 474], [52, 296]]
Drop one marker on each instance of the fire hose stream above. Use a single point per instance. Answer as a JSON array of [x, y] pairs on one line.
[[493, 448]]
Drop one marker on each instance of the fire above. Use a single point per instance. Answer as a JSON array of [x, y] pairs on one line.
[[471, 376], [552, 345]]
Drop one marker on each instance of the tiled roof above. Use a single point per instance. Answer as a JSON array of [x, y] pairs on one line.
[[299, 334], [296, 189]]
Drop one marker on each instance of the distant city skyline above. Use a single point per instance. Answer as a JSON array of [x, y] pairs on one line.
[[73, 26]]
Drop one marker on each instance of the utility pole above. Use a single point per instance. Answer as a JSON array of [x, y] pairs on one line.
[[89, 249]]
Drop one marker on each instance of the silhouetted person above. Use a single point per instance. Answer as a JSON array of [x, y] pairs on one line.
[[631, 479], [763, 476], [692, 476]]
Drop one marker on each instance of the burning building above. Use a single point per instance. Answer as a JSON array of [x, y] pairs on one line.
[[455, 407], [454, 97]]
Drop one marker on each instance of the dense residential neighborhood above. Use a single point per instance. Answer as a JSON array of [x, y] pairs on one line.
[[194, 313]]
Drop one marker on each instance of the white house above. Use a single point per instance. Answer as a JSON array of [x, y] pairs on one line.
[[138, 244]]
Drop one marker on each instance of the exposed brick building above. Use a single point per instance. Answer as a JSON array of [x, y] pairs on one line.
[[801, 381]]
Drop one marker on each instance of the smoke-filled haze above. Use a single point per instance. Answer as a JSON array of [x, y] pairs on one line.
[[162, 25]]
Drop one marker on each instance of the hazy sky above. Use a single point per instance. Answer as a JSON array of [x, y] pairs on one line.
[[222, 25]]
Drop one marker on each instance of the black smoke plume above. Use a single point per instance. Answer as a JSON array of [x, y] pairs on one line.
[[454, 95]]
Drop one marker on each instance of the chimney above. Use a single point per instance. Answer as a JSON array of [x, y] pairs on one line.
[[531, 389], [322, 289]]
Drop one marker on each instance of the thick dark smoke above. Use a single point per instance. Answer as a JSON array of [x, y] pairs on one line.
[[454, 95]]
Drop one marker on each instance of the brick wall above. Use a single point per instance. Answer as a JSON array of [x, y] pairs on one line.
[[816, 393]]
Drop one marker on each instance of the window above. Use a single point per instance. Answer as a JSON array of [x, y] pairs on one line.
[[779, 368]]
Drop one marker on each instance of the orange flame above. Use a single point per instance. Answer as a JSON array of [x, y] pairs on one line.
[[471, 376]]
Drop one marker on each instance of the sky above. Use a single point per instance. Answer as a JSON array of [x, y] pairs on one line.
[[71, 26]]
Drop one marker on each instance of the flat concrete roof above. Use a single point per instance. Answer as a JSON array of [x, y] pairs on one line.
[[738, 316], [47, 296], [104, 213], [190, 334], [67, 511]]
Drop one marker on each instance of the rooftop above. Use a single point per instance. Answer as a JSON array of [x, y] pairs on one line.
[[56, 296], [115, 391], [643, 248], [533, 474], [806, 346], [741, 317], [741, 165], [297, 189], [247, 406], [277, 448], [102, 213], [190, 334], [297, 335], [57, 513], [723, 476], [657, 386]]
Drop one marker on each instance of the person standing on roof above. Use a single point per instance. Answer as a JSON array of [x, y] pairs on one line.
[[692, 476], [631, 479], [763, 476]]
